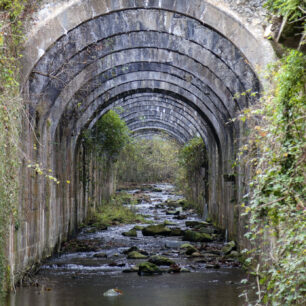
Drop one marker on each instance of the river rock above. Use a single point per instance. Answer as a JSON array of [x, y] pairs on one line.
[[100, 255], [132, 269], [161, 260], [148, 268], [153, 230], [174, 268], [197, 237], [177, 232], [112, 292], [230, 246], [197, 224], [167, 222], [196, 254], [130, 233], [136, 255], [189, 248], [180, 217], [138, 227], [172, 212]]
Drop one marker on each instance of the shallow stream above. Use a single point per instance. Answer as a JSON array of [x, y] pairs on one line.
[[82, 278]]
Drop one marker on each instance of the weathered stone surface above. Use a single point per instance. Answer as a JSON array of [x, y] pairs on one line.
[[197, 237], [161, 260], [106, 53], [153, 230], [130, 233], [229, 247], [148, 268], [197, 224], [136, 255]]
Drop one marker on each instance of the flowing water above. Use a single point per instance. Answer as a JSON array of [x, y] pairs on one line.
[[81, 278]]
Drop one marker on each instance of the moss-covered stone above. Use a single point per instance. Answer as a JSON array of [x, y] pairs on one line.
[[136, 255], [153, 230], [230, 246], [130, 233], [197, 224], [177, 232], [161, 260], [148, 268], [197, 237], [138, 228]]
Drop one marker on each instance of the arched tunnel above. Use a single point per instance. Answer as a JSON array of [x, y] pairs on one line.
[[172, 66]]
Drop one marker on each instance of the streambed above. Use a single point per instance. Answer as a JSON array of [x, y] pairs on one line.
[[82, 278]]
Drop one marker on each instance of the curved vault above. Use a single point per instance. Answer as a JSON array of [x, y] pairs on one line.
[[171, 65]]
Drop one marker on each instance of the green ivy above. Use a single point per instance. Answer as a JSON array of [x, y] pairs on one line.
[[11, 37], [276, 152]]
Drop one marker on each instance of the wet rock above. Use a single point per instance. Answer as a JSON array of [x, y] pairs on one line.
[[212, 266], [207, 230], [197, 224], [180, 217], [189, 248], [136, 255], [197, 237], [167, 222], [112, 292], [100, 255], [173, 204], [172, 212], [117, 264], [148, 268], [156, 189], [133, 249], [174, 268], [173, 244], [196, 254], [177, 232], [130, 233], [230, 246], [159, 206], [138, 228], [185, 270], [161, 260], [75, 245], [132, 269], [153, 230]]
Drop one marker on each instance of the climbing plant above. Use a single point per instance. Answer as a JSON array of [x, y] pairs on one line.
[[11, 16], [275, 206]]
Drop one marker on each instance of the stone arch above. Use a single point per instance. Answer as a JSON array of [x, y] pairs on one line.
[[187, 57]]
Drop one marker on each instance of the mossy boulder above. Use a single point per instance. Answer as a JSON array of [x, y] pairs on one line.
[[161, 260], [136, 255], [173, 212], [196, 224], [148, 268], [189, 248], [177, 232], [230, 246], [130, 233], [167, 222], [197, 237], [153, 230], [138, 228]]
